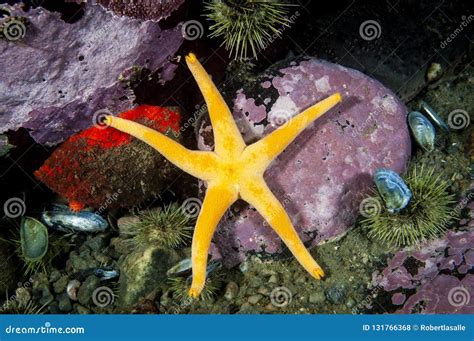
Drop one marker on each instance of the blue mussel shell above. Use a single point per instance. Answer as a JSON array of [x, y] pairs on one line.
[[422, 130], [393, 190]]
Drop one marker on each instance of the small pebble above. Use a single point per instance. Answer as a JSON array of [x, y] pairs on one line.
[[46, 296], [231, 291], [317, 297], [60, 285], [273, 279], [350, 302], [256, 282], [335, 295], [268, 272], [55, 274], [82, 310], [433, 72], [301, 280], [84, 294], [64, 303], [254, 299], [124, 224], [244, 267], [264, 291]]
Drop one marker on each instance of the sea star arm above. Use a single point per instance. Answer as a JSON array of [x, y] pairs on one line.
[[269, 147], [256, 192], [217, 200], [227, 137], [197, 163]]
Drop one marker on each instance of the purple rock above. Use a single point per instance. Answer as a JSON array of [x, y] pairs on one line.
[[324, 174], [442, 281], [61, 74], [469, 257], [444, 295]]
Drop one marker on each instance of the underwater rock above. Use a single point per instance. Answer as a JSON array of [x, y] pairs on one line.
[[142, 272], [5, 146], [317, 297], [436, 274], [98, 167], [64, 303], [84, 294], [62, 73], [322, 177], [142, 9]]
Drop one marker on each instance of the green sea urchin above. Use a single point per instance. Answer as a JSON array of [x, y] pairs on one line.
[[180, 286], [427, 216], [168, 227], [247, 26]]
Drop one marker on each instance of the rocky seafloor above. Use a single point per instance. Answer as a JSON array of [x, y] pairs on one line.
[[363, 275]]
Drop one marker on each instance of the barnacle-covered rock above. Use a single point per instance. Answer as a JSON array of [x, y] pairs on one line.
[[142, 272], [142, 9], [105, 168], [60, 74], [323, 176]]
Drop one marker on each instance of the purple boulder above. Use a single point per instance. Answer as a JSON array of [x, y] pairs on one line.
[[322, 177], [59, 75]]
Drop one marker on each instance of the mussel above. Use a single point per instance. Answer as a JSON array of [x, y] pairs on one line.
[[34, 239], [181, 268], [434, 116], [184, 268], [106, 273], [61, 218], [422, 130], [392, 189]]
